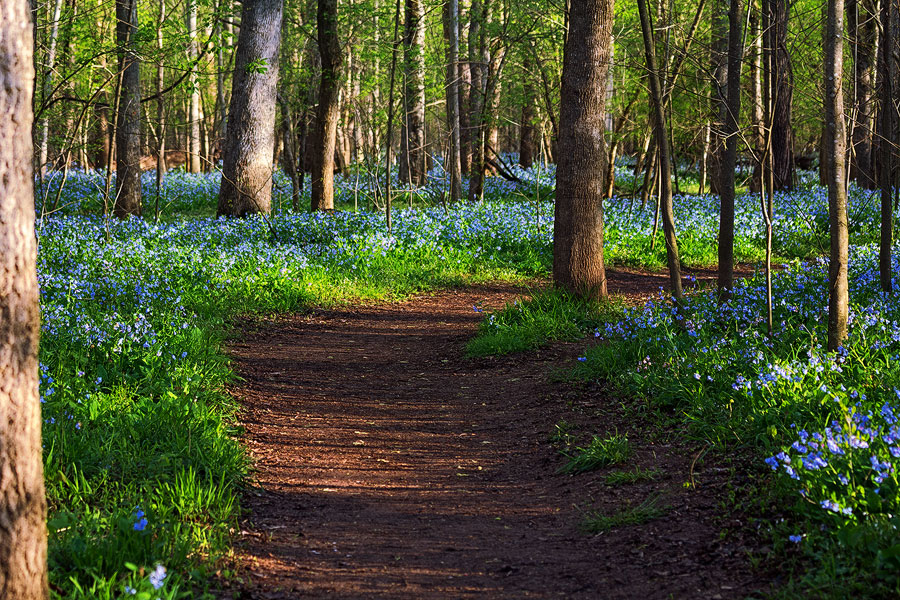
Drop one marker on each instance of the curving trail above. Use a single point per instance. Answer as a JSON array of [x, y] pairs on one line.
[[390, 466]]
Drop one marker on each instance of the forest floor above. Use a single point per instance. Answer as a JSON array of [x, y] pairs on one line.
[[389, 465]]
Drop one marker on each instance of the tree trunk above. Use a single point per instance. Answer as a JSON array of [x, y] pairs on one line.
[[835, 146], [194, 117], [719, 67], [412, 137], [465, 122], [728, 159], [782, 143], [23, 508], [160, 102], [328, 111], [250, 140], [453, 162], [48, 85], [863, 32], [885, 151], [578, 226], [526, 126], [478, 70], [128, 126], [665, 163]]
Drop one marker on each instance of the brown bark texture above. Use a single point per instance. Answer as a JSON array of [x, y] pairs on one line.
[[412, 138], [835, 147], [578, 227], [782, 94], [863, 34], [128, 121], [328, 111], [453, 162], [728, 159], [526, 127], [23, 530], [250, 139]]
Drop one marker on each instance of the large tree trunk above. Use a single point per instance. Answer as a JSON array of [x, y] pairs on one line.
[[578, 226], [23, 508], [863, 31], [250, 140], [412, 137], [665, 162], [835, 147], [728, 159], [128, 125], [782, 142], [453, 162], [328, 111]]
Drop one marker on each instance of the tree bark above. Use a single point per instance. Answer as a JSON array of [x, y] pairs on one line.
[[728, 159], [250, 139], [782, 82], [886, 139], [328, 111], [194, 117], [719, 68], [23, 508], [835, 146], [453, 162], [412, 137], [665, 163], [526, 126], [478, 71], [863, 34], [578, 265], [128, 126]]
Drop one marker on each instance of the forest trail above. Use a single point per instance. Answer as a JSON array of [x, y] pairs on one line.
[[391, 466]]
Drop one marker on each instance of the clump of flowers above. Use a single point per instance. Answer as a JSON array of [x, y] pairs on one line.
[[849, 469]]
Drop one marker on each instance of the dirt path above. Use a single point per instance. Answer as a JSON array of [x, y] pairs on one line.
[[390, 466]]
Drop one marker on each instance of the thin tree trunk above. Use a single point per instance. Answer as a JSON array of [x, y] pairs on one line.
[[578, 226], [835, 145], [885, 150], [194, 117], [412, 137], [247, 165], [863, 32], [160, 104], [48, 85], [783, 93], [453, 162], [526, 125], [719, 65], [128, 127], [23, 508], [728, 160], [665, 165], [478, 70], [328, 112]]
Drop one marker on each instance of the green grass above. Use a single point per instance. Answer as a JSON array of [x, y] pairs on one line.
[[647, 510], [599, 453], [629, 477], [548, 315]]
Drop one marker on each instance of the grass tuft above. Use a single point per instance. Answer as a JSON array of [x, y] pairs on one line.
[[547, 316], [597, 454], [647, 510], [629, 477]]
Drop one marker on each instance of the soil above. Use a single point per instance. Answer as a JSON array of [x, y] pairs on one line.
[[389, 465]]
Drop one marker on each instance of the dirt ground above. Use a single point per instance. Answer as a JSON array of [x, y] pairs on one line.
[[388, 465]]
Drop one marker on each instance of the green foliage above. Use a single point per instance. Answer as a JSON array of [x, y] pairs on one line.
[[637, 475], [647, 510], [547, 315], [598, 453]]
